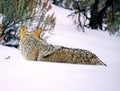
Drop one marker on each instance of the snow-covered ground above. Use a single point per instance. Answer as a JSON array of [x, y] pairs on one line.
[[18, 74]]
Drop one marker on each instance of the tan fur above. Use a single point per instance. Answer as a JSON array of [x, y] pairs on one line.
[[34, 48]]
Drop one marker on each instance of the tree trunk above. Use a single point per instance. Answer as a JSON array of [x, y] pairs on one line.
[[94, 15], [96, 19], [54, 1]]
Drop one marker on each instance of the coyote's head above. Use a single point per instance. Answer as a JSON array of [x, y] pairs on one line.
[[30, 43], [23, 32]]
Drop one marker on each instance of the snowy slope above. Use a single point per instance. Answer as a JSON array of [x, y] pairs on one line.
[[18, 74]]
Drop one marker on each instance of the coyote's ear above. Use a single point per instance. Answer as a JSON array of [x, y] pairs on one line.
[[38, 32], [23, 31]]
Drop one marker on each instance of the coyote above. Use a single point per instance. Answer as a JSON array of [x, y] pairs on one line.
[[32, 47]]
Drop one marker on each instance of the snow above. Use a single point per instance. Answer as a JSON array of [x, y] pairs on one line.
[[18, 74]]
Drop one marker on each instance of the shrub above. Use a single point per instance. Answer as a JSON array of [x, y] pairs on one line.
[[26, 13]]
